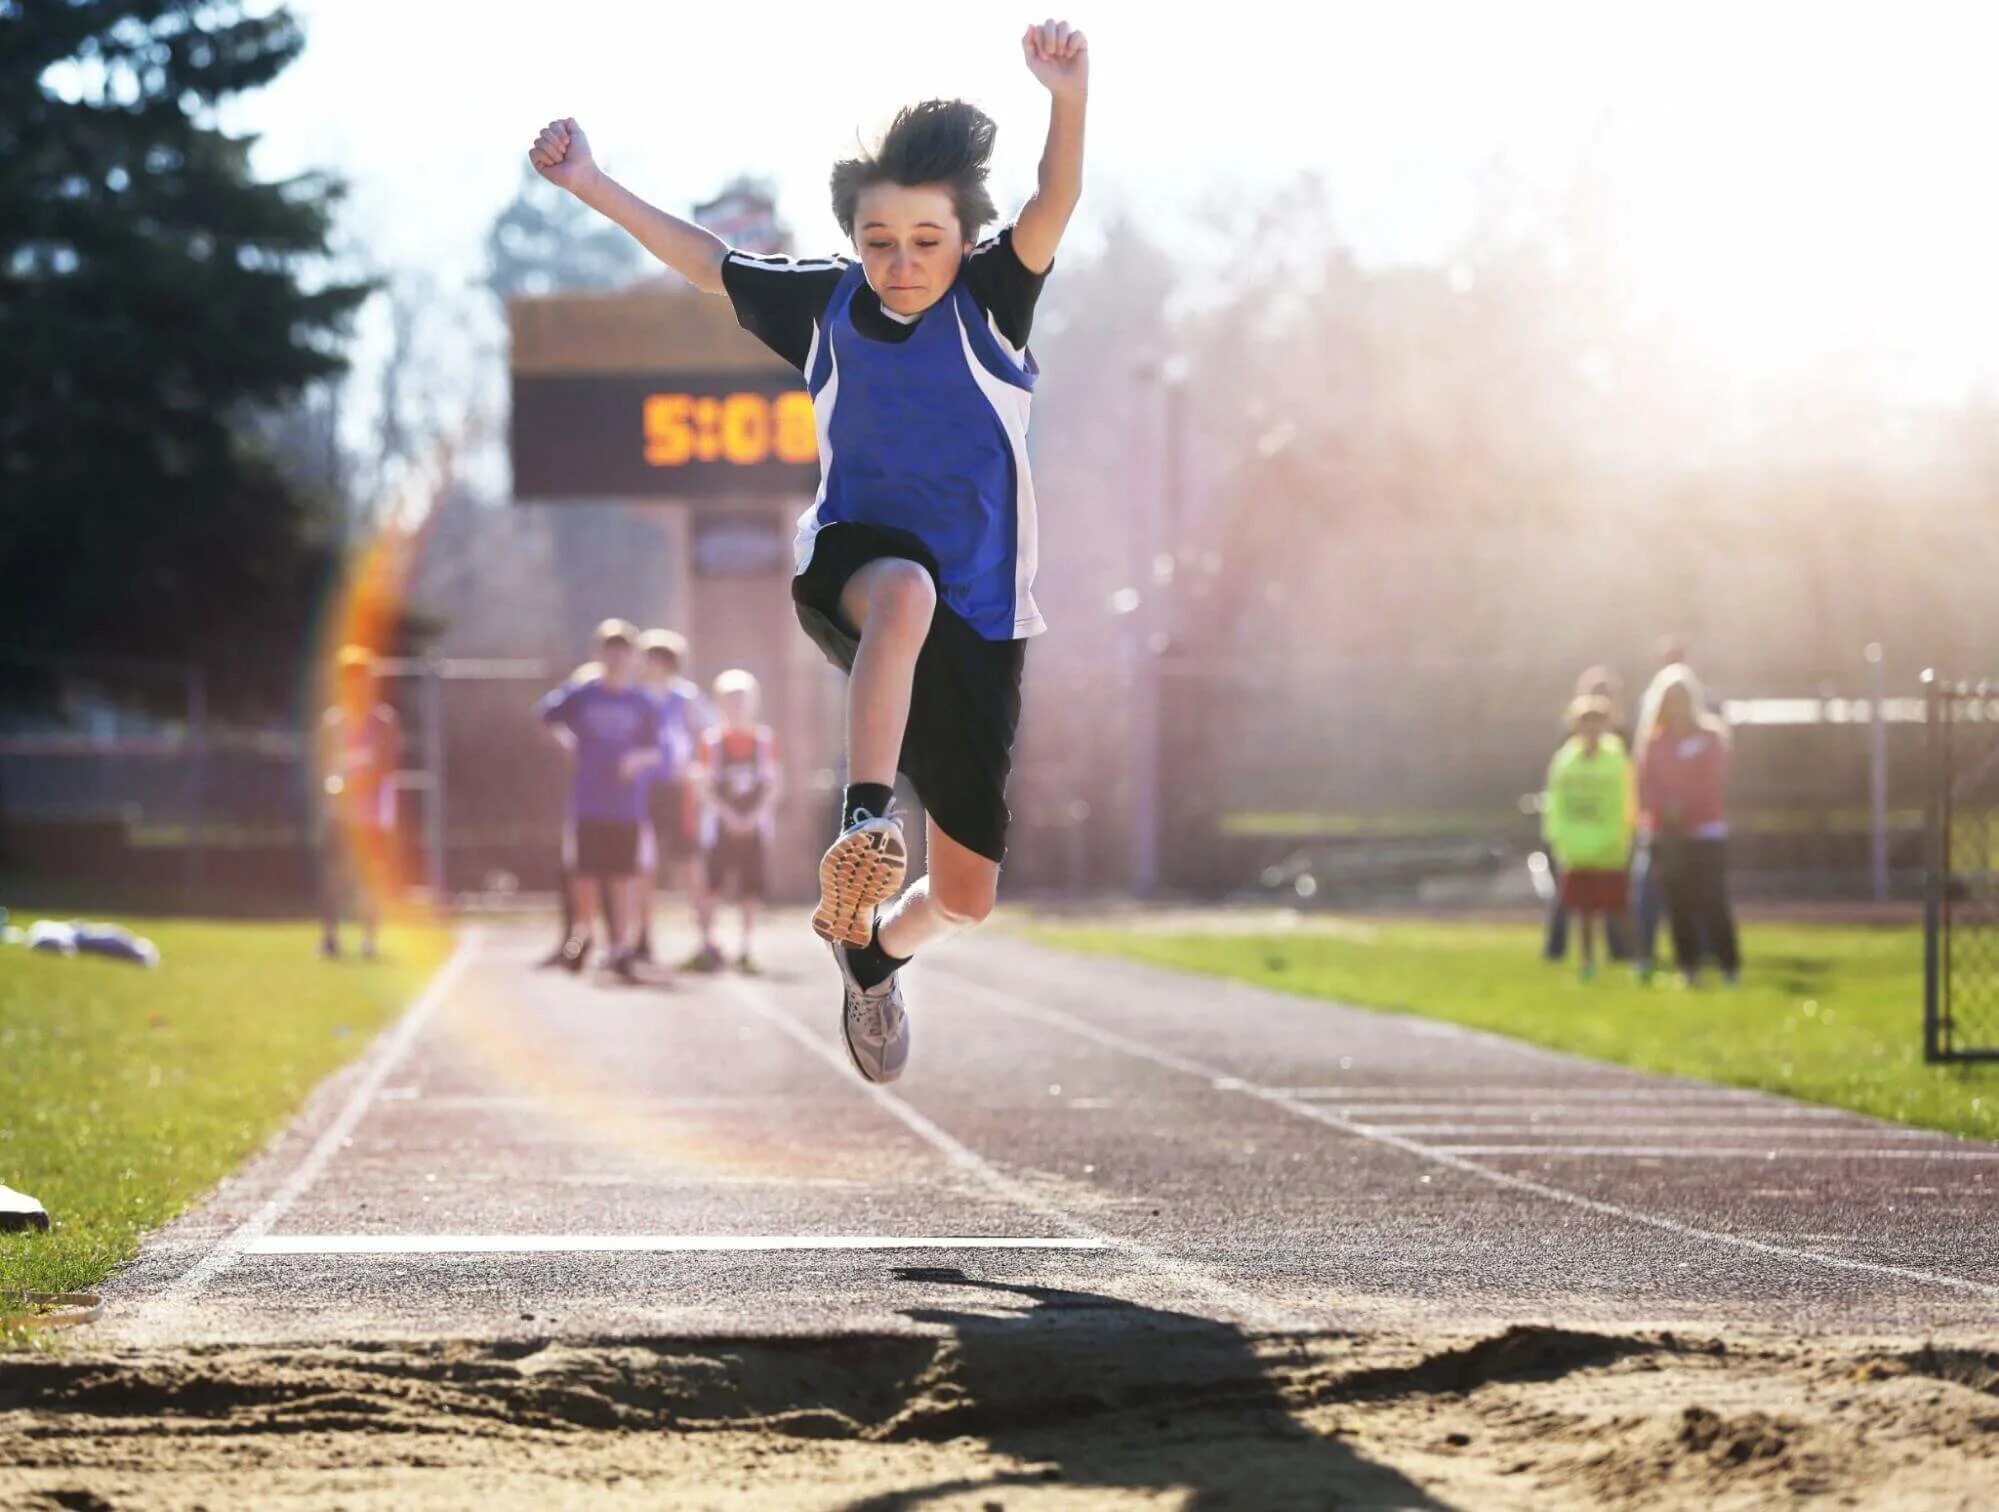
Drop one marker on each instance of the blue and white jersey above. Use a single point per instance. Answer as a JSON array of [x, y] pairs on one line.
[[922, 424]]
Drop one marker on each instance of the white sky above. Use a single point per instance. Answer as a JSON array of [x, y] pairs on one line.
[[1803, 176]]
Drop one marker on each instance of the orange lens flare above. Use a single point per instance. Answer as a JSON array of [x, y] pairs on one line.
[[362, 760]]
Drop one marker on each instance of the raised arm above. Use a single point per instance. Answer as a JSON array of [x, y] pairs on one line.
[[561, 154], [1058, 56]]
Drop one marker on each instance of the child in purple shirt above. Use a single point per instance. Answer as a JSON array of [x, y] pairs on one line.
[[611, 729]]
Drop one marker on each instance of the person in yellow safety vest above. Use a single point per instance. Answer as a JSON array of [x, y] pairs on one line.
[[1589, 819]]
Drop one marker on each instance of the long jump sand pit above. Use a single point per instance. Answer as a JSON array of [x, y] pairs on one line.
[[1064, 1413]]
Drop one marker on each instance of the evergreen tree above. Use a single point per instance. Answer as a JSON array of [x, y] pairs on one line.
[[545, 241], [155, 299]]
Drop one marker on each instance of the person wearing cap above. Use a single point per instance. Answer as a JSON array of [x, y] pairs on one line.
[[1602, 681], [1589, 818], [611, 729], [741, 784], [360, 747]]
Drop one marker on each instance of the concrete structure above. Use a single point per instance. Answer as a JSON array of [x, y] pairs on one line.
[[656, 398]]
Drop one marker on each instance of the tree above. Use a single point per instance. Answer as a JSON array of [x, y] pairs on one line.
[[546, 241], [155, 301]]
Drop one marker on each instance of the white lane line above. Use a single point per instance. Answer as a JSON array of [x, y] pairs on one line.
[[1720, 1129], [1703, 1152], [1249, 1308], [633, 1102], [618, 1244], [1222, 1081], [1733, 1109], [1433, 1094], [383, 1057]]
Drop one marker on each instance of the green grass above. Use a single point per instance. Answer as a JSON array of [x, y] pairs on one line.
[[1825, 1013], [127, 1093]]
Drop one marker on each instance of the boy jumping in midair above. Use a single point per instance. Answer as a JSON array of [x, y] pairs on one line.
[[916, 561]]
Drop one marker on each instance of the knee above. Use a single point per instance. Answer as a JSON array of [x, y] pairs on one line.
[[901, 600], [964, 904]]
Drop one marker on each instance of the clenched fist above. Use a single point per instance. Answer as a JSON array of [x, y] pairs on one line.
[[1059, 57], [561, 154]]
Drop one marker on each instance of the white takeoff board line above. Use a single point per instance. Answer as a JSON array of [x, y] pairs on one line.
[[567, 1244]]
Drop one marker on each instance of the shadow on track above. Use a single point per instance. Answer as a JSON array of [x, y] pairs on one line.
[[1097, 1392]]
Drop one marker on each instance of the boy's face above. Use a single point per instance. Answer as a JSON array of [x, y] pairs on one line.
[[616, 656], [1591, 727], [738, 706], [909, 242], [661, 666]]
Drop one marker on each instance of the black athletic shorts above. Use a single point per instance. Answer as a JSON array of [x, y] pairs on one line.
[[735, 865], [965, 707], [607, 848]]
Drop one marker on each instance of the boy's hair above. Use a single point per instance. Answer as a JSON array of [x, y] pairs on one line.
[[664, 643], [947, 142], [613, 630], [355, 658], [735, 680]]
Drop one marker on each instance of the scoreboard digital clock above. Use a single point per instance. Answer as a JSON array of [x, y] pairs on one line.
[[684, 435], [742, 429]]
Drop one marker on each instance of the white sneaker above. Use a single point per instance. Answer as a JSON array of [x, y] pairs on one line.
[[860, 870], [873, 1023]]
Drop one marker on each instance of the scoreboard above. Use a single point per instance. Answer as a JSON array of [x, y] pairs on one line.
[[652, 396], [665, 435]]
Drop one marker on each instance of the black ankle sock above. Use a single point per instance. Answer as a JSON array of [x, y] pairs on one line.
[[871, 964], [872, 796]]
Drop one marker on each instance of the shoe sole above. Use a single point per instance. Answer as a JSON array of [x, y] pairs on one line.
[[858, 873]]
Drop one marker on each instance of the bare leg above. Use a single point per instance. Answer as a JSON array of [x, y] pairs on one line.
[[1589, 944], [643, 890], [749, 911], [332, 869], [620, 897], [567, 892], [585, 891], [890, 602], [958, 892], [704, 903]]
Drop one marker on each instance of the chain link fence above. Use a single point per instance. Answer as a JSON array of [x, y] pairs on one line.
[[1341, 782], [1961, 914]]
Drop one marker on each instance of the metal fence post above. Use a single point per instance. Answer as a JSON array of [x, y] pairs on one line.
[[433, 756], [1935, 863], [195, 800], [1877, 771]]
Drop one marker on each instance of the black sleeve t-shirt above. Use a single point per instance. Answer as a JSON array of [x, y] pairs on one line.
[[781, 300]]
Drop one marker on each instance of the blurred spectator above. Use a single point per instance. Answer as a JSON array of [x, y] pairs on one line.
[[1595, 682], [611, 727], [1588, 819], [360, 748], [668, 847], [741, 783], [1646, 904], [562, 955], [1682, 770]]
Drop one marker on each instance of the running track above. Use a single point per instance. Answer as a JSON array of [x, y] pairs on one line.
[[528, 1155]]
